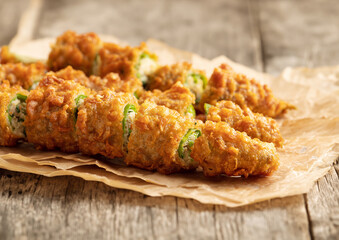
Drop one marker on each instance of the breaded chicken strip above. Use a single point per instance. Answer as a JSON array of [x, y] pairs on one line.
[[161, 140], [223, 150], [25, 75], [52, 110], [79, 51], [104, 123], [225, 84], [12, 114], [255, 125], [178, 98], [166, 76]]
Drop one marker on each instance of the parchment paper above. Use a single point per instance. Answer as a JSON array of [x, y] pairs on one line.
[[311, 133]]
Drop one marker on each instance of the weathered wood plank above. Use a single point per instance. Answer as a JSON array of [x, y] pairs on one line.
[[299, 33], [10, 12], [304, 33], [323, 206]]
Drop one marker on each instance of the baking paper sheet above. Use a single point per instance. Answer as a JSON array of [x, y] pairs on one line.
[[311, 133]]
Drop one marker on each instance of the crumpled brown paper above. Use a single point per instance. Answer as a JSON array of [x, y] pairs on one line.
[[311, 133]]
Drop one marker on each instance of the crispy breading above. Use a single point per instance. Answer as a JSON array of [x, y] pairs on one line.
[[255, 125], [223, 150], [131, 85], [79, 51], [122, 60], [51, 114], [99, 125], [225, 84], [24, 75], [7, 93], [178, 98], [154, 141], [166, 76]]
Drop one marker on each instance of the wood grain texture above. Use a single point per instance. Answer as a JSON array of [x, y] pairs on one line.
[[10, 12], [266, 35], [299, 33], [209, 28]]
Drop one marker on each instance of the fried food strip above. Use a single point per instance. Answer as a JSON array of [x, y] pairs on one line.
[[128, 62], [255, 125], [12, 114], [104, 123], [225, 84], [166, 76], [178, 98], [161, 140], [24, 75], [52, 110], [223, 150], [79, 51]]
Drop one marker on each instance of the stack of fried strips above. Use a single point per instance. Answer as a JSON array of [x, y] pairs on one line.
[[101, 98]]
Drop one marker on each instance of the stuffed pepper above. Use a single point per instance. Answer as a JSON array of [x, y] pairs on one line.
[[166, 76], [162, 140], [255, 125], [222, 150], [79, 51], [225, 84], [178, 98], [52, 110], [12, 114], [105, 121]]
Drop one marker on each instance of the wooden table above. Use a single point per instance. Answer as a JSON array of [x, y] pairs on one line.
[[264, 34]]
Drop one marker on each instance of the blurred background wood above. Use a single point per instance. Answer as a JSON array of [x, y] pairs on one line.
[[263, 34]]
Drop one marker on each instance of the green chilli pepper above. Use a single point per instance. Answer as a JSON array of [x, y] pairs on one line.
[[16, 114], [77, 105], [136, 95], [126, 122], [197, 77], [191, 110], [196, 86], [142, 76], [207, 107], [96, 65], [187, 142]]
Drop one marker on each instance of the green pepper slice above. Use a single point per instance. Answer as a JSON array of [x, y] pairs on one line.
[[207, 108], [126, 124], [187, 142], [197, 86], [17, 113], [77, 105], [191, 110]]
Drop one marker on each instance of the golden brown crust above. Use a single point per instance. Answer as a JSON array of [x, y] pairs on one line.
[[225, 84], [50, 120], [255, 125], [223, 150], [155, 139], [131, 85], [21, 74], [99, 125], [118, 59], [178, 98], [78, 51], [166, 76], [7, 93]]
